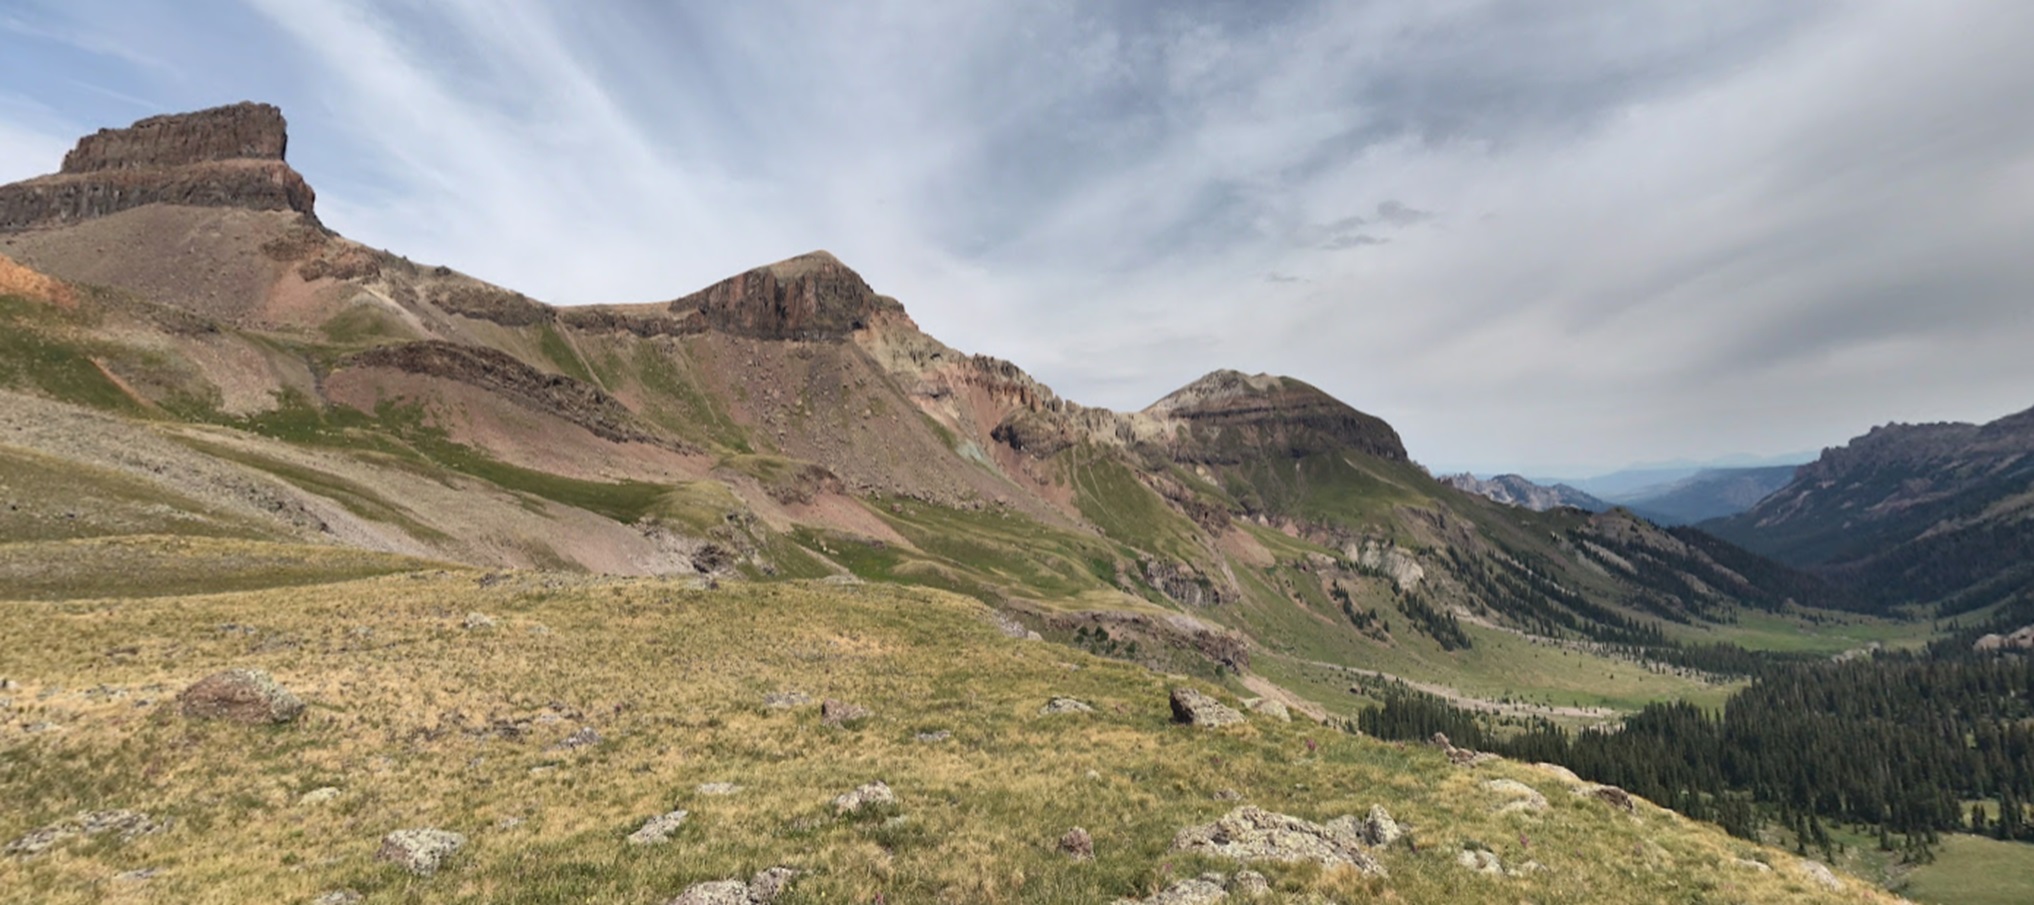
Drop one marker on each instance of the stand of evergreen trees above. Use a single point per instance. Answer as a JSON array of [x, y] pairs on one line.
[[1896, 742]]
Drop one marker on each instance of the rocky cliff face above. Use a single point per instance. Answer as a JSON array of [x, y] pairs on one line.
[[811, 297], [223, 157]]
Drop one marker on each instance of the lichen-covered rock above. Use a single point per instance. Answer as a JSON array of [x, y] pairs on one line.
[[419, 851], [836, 713], [477, 621], [318, 795], [242, 696], [338, 897], [1250, 833], [1270, 707], [1480, 861], [767, 885], [1065, 705], [716, 892], [1249, 884], [1519, 797], [1205, 889], [786, 700], [1197, 709], [872, 794], [657, 830], [717, 788], [129, 824], [1375, 830]]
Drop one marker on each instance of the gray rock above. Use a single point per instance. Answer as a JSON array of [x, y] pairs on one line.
[[937, 735], [1077, 844], [717, 788], [419, 851], [785, 700], [338, 897], [586, 736], [1379, 830], [1270, 707], [1197, 709], [1065, 705], [137, 876], [837, 713], [1250, 833], [875, 793], [1520, 798], [1610, 795], [478, 621], [242, 696], [1819, 873], [1250, 885], [1480, 861], [130, 825], [318, 795], [657, 830], [717, 892], [767, 885], [1205, 889]]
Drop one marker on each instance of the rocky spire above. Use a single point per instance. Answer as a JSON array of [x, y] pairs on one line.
[[223, 157]]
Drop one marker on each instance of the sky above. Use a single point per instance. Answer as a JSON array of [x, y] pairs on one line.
[[1553, 238]]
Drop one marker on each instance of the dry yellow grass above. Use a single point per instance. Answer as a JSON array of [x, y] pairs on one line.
[[410, 718]]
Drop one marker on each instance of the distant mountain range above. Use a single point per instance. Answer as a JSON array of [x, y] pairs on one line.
[[1910, 513], [1516, 490]]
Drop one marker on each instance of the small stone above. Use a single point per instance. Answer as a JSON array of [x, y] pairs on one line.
[[508, 823], [478, 621], [338, 897], [1228, 795], [137, 876], [318, 795], [937, 735], [839, 713], [717, 788], [1524, 870], [875, 793], [657, 830], [585, 737], [419, 851], [1197, 709], [1749, 864], [1250, 885], [1077, 844], [1065, 705], [241, 695]]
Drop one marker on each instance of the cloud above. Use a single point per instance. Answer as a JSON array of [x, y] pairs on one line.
[[1593, 233]]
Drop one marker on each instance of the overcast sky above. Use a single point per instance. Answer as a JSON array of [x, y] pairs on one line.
[[1555, 238]]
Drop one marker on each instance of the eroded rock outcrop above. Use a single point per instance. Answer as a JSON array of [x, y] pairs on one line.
[[223, 157], [1251, 833], [811, 297]]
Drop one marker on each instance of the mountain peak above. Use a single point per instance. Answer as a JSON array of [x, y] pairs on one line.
[[228, 156], [809, 297], [1272, 412]]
